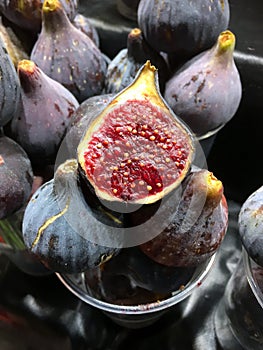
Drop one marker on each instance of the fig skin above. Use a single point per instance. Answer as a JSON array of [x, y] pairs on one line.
[[9, 87], [46, 109], [16, 177], [198, 226], [125, 65], [131, 278], [128, 122], [250, 223], [206, 91], [184, 28], [83, 23], [47, 230], [67, 55], [26, 14]]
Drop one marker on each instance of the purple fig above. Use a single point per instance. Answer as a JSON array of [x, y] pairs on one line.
[[206, 91], [84, 24], [46, 110], [67, 55], [250, 223]]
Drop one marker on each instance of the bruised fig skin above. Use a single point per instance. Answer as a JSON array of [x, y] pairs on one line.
[[185, 28], [198, 226], [27, 13], [84, 24], [206, 91], [16, 177], [46, 110], [48, 233], [9, 87], [124, 67], [67, 55], [136, 150], [250, 222]]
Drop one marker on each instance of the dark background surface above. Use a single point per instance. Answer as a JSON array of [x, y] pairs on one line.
[[38, 312]]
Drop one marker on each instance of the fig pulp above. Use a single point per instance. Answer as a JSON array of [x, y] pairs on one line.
[[67, 55], [250, 224], [198, 225], [136, 150], [206, 91]]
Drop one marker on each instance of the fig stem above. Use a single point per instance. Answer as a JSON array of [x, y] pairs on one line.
[[226, 42], [10, 235]]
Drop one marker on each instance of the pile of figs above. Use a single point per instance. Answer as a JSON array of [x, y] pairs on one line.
[[114, 140]]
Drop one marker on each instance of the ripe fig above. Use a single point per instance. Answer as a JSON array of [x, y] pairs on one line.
[[131, 278], [67, 55], [47, 230], [26, 14], [182, 27], [84, 24], [206, 91], [250, 222], [124, 67], [16, 177], [136, 150], [9, 87], [45, 114], [198, 225]]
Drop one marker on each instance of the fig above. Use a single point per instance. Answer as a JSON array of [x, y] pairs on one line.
[[16, 177], [67, 55], [136, 150], [250, 225], [9, 87], [26, 14], [206, 91], [131, 278], [184, 28], [84, 24], [198, 226], [46, 110], [47, 230], [124, 67]]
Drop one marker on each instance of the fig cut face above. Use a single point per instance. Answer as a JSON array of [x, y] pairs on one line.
[[136, 150]]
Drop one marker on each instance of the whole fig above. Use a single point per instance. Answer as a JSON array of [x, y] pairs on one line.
[[67, 55], [250, 222], [206, 91], [46, 110]]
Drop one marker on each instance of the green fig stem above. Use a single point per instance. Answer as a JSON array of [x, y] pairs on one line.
[[226, 42], [10, 235]]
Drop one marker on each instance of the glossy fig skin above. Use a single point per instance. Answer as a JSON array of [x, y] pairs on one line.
[[206, 91], [131, 278], [84, 24], [182, 27], [250, 223], [67, 55], [9, 87], [46, 109], [198, 226], [125, 65], [146, 133], [49, 235], [27, 13], [16, 177]]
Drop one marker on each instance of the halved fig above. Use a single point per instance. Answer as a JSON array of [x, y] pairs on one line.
[[137, 150]]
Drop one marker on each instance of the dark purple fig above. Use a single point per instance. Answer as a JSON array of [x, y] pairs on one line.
[[124, 67], [136, 150], [27, 13], [67, 55], [82, 117], [46, 110], [16, 177], [250, 224], [49, 233], [131, 278], [84, 24], [182, 27], [9, 87], [198, 225], [206, 91]]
